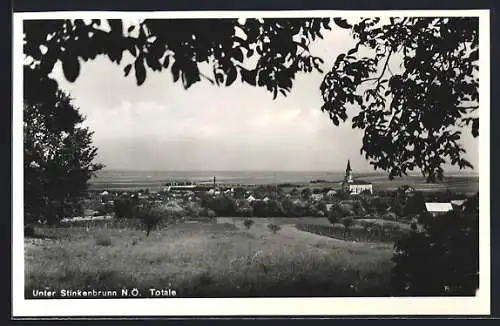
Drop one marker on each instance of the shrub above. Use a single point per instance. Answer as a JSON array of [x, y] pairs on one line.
[[274, 228], [441, 257], [348, 223], [124, 208], [29, 231], [210, 213], [248, 223], [103, 241], [151, 216], [333, 215]]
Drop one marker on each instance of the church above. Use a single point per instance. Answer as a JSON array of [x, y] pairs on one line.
[[354, 187]]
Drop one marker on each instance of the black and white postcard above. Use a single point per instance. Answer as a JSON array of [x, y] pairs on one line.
[[251, 163]]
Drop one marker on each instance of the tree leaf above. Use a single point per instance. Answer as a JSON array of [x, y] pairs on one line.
[[352, 51], [166, 61], [342, 23], [127, 69], [71, 67], [175, 70], [238, 54], [116, 26], [231, 75], [140, 70], [474, 56], [475, 127]]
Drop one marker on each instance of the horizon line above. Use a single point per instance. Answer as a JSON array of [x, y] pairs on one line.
[[265, 170]]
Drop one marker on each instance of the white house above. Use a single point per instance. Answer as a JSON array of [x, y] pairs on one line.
[[436, 208], [457, 202], [331, 193], [317, 197]]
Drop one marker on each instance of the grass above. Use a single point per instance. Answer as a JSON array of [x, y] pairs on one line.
[[355, 232], [207, 260]]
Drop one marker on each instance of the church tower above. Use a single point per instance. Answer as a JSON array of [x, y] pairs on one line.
[[348, 173]]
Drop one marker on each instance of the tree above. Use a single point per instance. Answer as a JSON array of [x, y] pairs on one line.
[[440, 258], [58, 153], [306, 193], [411, 117], [279, 46], [248, 223], [274, 228], [347, 221]]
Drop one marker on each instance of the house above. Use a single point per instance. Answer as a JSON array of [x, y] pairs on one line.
[[251, 198], [317, 197], [437, 209], [331, 193], [354, 187], [457, 202], [407, 189]]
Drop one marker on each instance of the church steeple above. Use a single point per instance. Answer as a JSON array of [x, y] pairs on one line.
[[348, 172]]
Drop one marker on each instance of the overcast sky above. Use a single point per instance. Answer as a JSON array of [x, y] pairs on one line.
[[161, 126]]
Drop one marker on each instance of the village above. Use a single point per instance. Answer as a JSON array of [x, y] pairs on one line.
[[352, 198]]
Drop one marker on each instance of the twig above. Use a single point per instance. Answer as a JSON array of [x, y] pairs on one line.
[[207, 78]]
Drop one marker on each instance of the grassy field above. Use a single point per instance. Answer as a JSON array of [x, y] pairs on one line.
[[208, 260]]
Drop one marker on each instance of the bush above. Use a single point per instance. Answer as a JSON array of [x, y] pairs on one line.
[[348, 223], [274, 228], [124, 208], [29, 231], [103, 241], [248, 223], [152, 216], [333, 214], [439, 258]]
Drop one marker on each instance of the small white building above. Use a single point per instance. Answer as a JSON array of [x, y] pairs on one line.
[[457, 202], [331, 193], [317, 197], [436, 208]]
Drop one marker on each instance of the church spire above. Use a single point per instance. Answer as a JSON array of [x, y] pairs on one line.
[[348, 172]]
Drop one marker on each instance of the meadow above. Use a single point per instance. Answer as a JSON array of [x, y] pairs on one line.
[[207, 259]]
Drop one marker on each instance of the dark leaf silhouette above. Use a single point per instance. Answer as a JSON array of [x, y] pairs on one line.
[[71, 68], [127, 69], [140, 71], [231, 76], [187, 40], [342, 23]]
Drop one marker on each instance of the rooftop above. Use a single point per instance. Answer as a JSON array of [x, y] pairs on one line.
[[438, 207]]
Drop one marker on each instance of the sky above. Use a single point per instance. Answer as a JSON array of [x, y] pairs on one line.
[[161, 126]]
